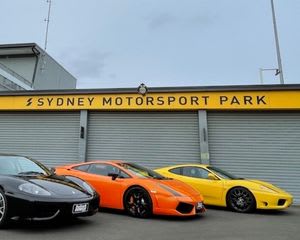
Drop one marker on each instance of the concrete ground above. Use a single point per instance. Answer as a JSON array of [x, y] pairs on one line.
[[216, 223]]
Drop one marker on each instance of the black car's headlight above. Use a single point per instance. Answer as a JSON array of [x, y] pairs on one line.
[[33, 189], [88, 187], [81, 183]]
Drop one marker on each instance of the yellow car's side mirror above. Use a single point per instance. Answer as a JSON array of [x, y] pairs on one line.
[[212, 177]]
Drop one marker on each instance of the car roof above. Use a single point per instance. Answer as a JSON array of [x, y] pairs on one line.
[[122, 161], [105, 161], [93, 161], [11, 155], [188, 165]]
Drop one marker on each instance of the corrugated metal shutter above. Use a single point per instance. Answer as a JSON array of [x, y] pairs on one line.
[[261, 145], [50, 137], [150, 138]]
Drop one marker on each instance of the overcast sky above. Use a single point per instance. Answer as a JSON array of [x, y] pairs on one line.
[[122, 43]]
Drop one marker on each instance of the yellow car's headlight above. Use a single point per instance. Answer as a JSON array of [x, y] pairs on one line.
[[264, 188]]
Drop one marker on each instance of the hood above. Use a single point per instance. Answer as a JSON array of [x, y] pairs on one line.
[[180, 187], [266, 184], [58, 186], [253, 184]]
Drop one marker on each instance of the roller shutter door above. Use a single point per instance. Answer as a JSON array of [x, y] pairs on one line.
[[261, 145], [153, 139], [49, 137]]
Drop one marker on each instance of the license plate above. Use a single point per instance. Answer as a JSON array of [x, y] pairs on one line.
[[199, 205], [80, 208]]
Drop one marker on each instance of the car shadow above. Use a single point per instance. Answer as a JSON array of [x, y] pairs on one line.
[[256, 212], [178, 218], [284, 212], [113, 211], [54, 225], [154, 217]]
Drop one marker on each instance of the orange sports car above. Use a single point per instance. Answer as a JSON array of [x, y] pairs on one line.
[[138, 190]]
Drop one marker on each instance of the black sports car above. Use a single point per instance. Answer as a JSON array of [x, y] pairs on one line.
[[30, 190]]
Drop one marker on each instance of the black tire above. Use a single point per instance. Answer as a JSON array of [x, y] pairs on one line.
[[138, 203], [3, 210], [240, 199]]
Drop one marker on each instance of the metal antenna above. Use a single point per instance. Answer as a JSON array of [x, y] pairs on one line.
[[47, 20], [280, 71]]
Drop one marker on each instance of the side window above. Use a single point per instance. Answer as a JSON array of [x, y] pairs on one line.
[[195, 172], [116, 170], [176, 170], [105, 169], [83, 168], [99, 169]]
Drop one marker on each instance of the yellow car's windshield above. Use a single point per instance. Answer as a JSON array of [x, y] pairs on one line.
[[222, 173], [140, 171]]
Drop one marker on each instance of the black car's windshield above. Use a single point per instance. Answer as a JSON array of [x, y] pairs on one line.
[[18, 165], [140, 171], [222, 173]]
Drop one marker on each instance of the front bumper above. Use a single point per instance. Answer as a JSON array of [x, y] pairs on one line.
[[273, 200], [41, 209], [179, 206]]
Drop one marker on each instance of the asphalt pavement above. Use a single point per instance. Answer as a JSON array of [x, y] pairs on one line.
[[216, 223]]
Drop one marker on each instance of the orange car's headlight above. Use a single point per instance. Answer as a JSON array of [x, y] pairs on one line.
[[170, 190]]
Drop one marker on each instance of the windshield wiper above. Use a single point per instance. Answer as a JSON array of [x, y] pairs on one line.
[[159, 178], [30, 173]]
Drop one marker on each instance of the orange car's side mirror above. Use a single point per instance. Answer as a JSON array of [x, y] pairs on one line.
[[113, 175], [52, 170]]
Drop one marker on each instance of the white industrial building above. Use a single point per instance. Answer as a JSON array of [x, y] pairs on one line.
[[26, 66]]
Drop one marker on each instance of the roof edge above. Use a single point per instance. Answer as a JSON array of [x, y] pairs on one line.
[[235, 88]]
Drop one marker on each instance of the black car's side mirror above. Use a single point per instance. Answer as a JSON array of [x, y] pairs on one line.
[[113, 175]]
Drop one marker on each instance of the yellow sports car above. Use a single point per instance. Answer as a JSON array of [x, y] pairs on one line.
[[220, 188]]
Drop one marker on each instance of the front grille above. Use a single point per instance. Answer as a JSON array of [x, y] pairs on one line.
[[43, 210], [281, 202], [184, 207]]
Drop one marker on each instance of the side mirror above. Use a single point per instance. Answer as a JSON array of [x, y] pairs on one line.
[[212, 177], [52, 170], [113, 175]]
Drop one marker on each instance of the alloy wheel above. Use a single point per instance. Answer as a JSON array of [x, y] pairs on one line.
[[138, 203], [3, 209], [241, 200]]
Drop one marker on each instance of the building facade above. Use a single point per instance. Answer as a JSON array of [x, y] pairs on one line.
[[28, 67], [250, 131]]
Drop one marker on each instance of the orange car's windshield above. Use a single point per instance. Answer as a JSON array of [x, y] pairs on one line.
[[140, 171]]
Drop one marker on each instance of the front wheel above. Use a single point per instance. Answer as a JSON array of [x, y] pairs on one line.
[[240, 199], [3, 210], [137, 202]]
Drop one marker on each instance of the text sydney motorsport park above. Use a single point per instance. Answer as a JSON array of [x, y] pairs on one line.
[[150, 101]]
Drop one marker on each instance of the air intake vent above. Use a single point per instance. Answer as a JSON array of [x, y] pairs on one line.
[[184, 207]]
